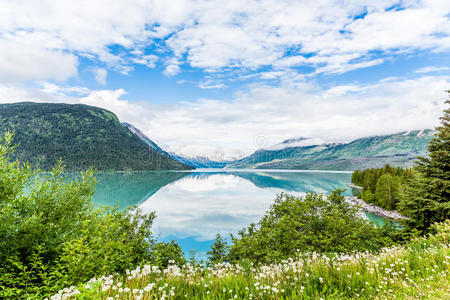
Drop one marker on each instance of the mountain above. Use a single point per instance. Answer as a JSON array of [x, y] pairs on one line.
[[195, 162], [81, 135], [398, 149], [199, 161], [144, 138]]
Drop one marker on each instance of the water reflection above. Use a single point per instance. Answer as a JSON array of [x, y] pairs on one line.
[[130, 188], [192, 207], [202, 205]]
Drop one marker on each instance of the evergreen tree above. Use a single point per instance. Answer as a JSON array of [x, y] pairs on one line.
[[428, 198]]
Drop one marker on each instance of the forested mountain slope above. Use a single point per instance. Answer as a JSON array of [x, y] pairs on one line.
[[399, 149], [81, 135]]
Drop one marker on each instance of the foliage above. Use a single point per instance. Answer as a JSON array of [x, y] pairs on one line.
[[52, 236], [385, 186], [387, 191], [82, 136], [428, 198], [165, 253], [218, 252], [310, 223], [415, 271]]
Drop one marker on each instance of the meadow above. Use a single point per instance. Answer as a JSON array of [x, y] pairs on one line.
[[416, 270]]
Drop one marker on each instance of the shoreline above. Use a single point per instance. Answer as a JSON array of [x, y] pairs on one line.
[[379, 211], [372, 208]]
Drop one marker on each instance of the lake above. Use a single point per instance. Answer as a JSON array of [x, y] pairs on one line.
[[193, 206]]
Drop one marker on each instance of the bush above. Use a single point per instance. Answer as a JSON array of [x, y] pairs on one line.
[[51, 235], [313, 223], [218, 252]]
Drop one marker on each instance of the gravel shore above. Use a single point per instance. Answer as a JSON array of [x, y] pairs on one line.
[[389, 214]]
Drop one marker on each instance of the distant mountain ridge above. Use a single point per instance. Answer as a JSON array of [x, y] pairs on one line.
[[200, 161], [81, 135], [400, 149], [195, 162]]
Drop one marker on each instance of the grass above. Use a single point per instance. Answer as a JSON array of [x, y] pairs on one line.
[[417, 270]]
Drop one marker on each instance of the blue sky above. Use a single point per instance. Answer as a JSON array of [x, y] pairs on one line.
[[222, 79]]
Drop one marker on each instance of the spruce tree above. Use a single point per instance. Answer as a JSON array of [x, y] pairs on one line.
[[428, 199]]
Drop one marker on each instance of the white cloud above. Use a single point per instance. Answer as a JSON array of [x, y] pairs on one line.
[[26, 56], [100, 75], [264, 115], [260, 32], [41, 40], [274, 114], [431, 69], [147, 60], [211, 84], [172, 69]]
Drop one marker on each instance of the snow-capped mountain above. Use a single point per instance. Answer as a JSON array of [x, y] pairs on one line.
[[399, 149], [195, 161], [296, 142]]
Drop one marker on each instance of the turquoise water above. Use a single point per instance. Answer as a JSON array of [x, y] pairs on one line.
[[192, 207]]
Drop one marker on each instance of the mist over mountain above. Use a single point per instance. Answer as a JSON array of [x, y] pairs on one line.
[[400, 149]]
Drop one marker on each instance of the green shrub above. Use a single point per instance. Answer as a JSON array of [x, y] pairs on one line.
[[51, 235], [313, 223], [218, 252], [167, 253]]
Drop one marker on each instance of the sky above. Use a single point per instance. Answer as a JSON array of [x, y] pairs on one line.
[[225, 78]]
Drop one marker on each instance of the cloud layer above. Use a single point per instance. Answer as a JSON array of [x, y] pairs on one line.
[[266, 115], [267, 42], [45, 40]]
